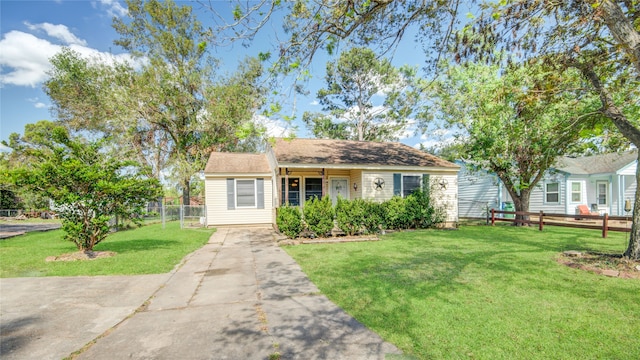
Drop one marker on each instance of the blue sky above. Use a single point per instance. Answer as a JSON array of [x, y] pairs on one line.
[[33, 31]]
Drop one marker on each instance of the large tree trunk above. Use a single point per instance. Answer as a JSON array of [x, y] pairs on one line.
[[631, 132], [186, 197], [623, 31], [633, 250], [521, 203]]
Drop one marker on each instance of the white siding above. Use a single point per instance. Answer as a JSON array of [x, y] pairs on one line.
[[537, 201], [445, 197], [218, 214], [369, 189], [477, 191]]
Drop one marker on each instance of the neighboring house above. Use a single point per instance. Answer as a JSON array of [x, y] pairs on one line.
[[601, 182], [246, 189]]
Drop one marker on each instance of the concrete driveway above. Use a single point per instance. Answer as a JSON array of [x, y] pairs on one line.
[[238, 297], [8, 230]]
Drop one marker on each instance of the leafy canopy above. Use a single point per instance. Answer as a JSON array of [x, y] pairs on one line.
[[87, 186]]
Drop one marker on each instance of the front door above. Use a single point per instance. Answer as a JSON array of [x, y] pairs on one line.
[[339, 187]]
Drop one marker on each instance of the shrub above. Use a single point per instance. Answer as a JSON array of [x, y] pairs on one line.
[[422, 212], [396, 216], [351, 215], [318, 214], [289, 221], [374, 217]]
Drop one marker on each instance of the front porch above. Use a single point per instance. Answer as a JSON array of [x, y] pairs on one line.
[[298, 184]]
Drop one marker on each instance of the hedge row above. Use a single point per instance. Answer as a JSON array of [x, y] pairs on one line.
[[359, 216]]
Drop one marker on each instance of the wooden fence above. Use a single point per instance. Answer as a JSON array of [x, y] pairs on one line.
[[605, 223]]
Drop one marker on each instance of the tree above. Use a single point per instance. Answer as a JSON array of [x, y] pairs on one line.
[[601, 38], [168, 110], [88, 187], [509, 124], [352, 83]]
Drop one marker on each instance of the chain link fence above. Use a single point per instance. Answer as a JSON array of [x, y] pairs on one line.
[[188, 215]]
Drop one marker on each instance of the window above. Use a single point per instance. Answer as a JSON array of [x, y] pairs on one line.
[[246, 193], [576, 192], [294, 192], [312, 188], [601, 192], [552, 192], [410, 184]]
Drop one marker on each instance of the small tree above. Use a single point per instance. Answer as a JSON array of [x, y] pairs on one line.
[[87, 187], [352, 84]]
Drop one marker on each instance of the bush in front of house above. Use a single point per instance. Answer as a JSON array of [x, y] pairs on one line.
[[422, 212], [396, 216], [318, 215], [289, 221], [374, 220], [351, 215]]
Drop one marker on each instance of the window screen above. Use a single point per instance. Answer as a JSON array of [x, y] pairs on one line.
[[410, 184], [245, 193], [312, 188]]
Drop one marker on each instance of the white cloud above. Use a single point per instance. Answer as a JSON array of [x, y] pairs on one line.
[[274, 128], [24, 58], [114, 8], [60, 32], [314, 103], [37, 103]]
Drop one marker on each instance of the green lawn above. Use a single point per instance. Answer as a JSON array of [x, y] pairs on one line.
[[146, 250], [482, 293]]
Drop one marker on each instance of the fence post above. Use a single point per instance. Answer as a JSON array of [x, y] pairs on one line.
[[541, 221], [493, 217], [605, 225]]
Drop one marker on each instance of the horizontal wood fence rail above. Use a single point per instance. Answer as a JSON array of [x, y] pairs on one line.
[[574, 221]]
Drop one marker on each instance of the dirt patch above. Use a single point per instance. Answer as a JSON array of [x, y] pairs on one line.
[[613, 265], [81, 255]]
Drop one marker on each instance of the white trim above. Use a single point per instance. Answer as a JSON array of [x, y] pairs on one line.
[[606, 193], [545, 192], [303, 195], [570, 192], [255, 193], [237, 175], [424, 169], [623, 170]]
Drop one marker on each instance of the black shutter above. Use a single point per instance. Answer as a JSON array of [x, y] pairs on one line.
[[231, 195]]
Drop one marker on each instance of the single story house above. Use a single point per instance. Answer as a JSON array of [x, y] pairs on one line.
[[601, 182], [246, 189]]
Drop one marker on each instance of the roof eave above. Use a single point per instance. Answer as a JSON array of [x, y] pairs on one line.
[[454, 168]]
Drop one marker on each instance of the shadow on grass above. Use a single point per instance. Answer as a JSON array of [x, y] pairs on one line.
[[137, 245]]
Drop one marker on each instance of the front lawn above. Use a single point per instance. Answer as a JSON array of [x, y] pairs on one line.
[[146, 250], [482, 293]]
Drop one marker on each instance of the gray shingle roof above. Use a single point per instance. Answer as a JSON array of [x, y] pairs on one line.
[[597, 164], [347, 152], [237, 163]]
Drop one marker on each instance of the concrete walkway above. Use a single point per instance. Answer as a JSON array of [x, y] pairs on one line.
[[238, 297]]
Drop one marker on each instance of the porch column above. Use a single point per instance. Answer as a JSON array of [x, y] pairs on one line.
[[286, 186], [323, 183]]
